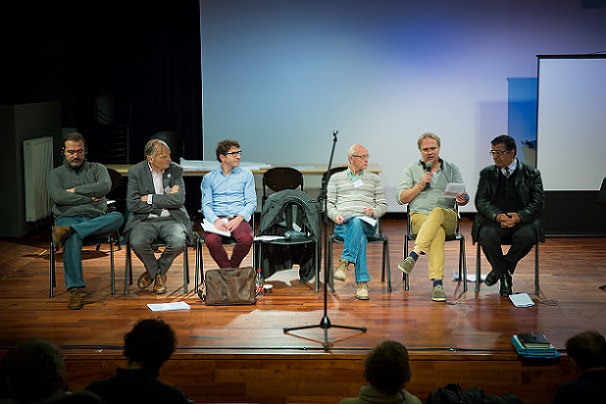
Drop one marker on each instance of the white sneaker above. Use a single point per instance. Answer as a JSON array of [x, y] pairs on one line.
[[341, 271], [362, 293]]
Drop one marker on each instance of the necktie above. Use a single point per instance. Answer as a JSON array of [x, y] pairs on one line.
[[507, 173]]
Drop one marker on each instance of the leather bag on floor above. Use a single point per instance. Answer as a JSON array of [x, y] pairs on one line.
[[229, 287]]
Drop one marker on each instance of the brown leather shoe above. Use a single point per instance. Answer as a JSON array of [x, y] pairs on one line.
[[61, 233], [144, 280], [160, 285], [75, 301]]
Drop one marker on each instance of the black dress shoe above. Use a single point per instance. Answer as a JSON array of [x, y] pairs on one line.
[[491, 278], [506, 285]]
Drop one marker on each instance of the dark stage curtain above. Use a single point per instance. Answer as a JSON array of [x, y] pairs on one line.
[[146, 53]]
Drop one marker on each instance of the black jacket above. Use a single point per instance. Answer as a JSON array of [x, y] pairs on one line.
[[281, 210], [529, 187]]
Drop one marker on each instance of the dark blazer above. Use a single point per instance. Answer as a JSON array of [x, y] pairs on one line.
[[528, 185], [140, 183]]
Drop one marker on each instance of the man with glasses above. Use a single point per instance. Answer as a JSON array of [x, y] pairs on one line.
[[155, 198], [229, 200], [509, 201], [432, 214], [354, 196], [78, 188]]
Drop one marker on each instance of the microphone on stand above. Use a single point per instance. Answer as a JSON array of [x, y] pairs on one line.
[[428, 169]]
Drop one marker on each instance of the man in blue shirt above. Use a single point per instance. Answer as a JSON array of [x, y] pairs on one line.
[[229, 200]]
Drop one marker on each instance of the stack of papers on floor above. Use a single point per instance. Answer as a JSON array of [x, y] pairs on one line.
[[534, 345], [521, 300], [168, 306]]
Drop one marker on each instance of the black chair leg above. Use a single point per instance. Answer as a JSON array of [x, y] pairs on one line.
[[463, 264], [386, 264], [53, 281], [128, 271], [478, 269], [329, 267], [185, 270], [536, 269], [112, 266], [199, 264]]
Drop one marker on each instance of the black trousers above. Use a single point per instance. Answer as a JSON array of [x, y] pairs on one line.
[[521, 237]]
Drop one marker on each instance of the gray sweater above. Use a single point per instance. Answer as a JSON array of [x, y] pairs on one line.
[[91, 181], [349, 198]]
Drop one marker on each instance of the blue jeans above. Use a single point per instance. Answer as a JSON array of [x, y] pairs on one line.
[[354, 234], [83, 227]]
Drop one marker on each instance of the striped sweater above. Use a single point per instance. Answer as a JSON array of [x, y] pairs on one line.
[[348, 196]]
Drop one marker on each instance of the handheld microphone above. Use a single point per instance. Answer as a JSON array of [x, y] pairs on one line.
[[428, 169]]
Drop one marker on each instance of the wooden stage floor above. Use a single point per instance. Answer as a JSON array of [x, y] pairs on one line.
[[241, 354]]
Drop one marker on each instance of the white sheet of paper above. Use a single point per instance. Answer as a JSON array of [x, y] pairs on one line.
[[168, 306], [453, 189], [268, 237], [371, 221], [210, 227], [521, 300]]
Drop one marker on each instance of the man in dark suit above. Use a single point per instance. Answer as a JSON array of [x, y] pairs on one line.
[[155, 198], [509, 201]]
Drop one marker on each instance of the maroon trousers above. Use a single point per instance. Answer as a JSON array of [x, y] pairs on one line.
[[242, 236]]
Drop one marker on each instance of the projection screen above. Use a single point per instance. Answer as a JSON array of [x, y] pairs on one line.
[[571, 121]]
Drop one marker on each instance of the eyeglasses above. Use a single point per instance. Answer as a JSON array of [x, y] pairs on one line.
[[234, 153], [498, 152], [364, 157], [72, 152]]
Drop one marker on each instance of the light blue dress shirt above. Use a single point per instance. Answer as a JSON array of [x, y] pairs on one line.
[[228, 195]]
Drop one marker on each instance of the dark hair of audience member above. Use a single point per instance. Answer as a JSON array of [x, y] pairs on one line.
[[150, 343], [588, 350], [387, 367], [35, 370]]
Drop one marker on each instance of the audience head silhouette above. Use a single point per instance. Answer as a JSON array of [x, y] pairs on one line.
[[150, 343], [35, 371], [587, 350], [387, 371], [147, 346], [387, 367]]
